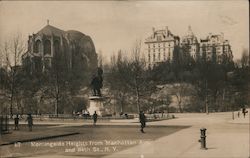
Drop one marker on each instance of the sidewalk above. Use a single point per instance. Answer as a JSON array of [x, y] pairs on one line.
[[224, 140]]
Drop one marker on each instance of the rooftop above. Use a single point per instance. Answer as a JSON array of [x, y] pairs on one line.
[[51, 30]]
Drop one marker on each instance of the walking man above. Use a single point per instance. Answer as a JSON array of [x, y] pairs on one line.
[[16, 119], [95, 118], [244, 111], [142, 118], [30, 122]]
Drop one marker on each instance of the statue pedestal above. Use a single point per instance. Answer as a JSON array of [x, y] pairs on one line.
[[96, 104]]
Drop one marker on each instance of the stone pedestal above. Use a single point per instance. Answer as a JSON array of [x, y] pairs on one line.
[[96, 104]]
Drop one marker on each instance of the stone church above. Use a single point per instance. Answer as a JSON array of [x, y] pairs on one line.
[[76, 49]]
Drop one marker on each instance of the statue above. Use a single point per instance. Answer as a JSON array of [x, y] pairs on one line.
[[96, 83]]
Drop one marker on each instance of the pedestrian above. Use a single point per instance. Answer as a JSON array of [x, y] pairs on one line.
[[238, 114], [95, 118], [142, 118], [244, 111], [30, 121], [16, 119]]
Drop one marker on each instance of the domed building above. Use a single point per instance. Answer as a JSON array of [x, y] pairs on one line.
[[73, 49]]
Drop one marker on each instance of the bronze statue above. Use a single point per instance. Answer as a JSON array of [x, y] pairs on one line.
[[96, 82]]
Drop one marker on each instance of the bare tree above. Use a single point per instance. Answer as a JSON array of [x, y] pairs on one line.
[[180, 91], [12, 51], [138, 66], [161, 98], [117, 77], [100, 59], [129, 79], [245, 58]]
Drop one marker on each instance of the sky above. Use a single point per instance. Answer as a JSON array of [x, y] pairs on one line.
[[115, 25]]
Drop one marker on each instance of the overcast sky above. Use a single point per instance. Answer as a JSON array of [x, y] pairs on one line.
[[115, 25]]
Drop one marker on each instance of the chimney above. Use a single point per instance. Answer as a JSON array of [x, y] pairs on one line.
[[190, 32], [221, 37], [153, 29], [166, 28]]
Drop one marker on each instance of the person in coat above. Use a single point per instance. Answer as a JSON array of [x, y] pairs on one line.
[[142, 118]]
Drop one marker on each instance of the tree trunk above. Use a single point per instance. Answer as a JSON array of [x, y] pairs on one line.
[[11, 106], [180, 108], [56, 108], [138, 100], [12, 97], [206, 100], [179, 102], [121, 106]]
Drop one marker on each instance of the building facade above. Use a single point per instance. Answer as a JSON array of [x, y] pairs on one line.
[[190, 44], [75, 48], [215, 47], [160, 46]]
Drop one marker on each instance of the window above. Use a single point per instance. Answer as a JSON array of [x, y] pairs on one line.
[[226, 48], [154, 57], [158, 38], [38, 46], [37, 63], [159, 56], [47, 63], [47, 47], [56, 47]]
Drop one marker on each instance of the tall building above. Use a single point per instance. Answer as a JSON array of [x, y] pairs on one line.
[[215, 47], [76, 49], [190, 44], [160, 46]]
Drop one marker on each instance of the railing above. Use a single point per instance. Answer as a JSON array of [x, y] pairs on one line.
[[155, 117], [105, 117], [78, 117]]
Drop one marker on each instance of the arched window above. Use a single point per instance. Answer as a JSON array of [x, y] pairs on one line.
[[38, 45], [47, 47], [56, 47]]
